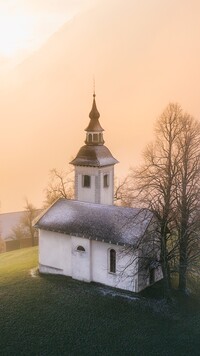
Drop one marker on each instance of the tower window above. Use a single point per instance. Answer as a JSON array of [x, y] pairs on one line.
[[100, 137], [112, 261], [95, 137], [86, 181], [90, 138], [106, 180]]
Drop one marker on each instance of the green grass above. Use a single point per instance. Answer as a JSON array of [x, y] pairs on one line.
[[54, 315]]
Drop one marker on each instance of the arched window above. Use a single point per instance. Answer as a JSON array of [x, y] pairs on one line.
[[90, 138], [80, 248], [112, 261]]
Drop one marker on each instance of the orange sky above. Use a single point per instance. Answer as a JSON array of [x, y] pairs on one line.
[[143, 55], [26, 25]]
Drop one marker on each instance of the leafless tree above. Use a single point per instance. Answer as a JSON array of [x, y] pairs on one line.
[[168, 183], [25, 228], [188, 196], [143, 255], [155, 182], [124, 191], [61, 185], [27, 221]]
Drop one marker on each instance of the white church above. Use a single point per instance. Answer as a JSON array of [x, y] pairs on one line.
[[89, 238]]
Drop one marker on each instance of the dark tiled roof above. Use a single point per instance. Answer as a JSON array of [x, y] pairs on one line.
[[117, 225], [94, 156]]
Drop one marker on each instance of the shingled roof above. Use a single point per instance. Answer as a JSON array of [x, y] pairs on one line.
[[94, 156], [108, 223]]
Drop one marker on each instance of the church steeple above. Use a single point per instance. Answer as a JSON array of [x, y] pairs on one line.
[[94, 130], [94, 114], [94, 165]]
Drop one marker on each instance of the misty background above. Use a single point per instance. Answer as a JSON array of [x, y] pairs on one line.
[[143, 54]]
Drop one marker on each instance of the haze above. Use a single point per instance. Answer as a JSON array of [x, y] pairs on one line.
[[143, 54]]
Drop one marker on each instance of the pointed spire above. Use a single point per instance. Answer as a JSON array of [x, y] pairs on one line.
[[94, 114], [94, 153]]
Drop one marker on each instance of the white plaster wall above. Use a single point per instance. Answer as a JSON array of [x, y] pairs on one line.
[[81, 261], [107, 194], [96, 193], [58, 255], [54, 252], [86, 194], [100, 267]]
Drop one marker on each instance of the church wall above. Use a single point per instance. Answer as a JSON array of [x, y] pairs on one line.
[[96, 193], [149, 251], [81, 260], [58, 254], [86, 194], [100, 267], [144, 277], [54, 253], [107, 194]]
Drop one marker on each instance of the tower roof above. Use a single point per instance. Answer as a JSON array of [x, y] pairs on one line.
[[94, 124], [94, 153], [94, 156]]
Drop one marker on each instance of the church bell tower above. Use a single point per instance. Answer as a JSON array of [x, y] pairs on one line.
[[94, 165]]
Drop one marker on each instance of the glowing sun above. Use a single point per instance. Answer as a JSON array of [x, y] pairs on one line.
[[16, 33]]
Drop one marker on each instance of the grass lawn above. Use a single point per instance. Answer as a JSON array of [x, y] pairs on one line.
[[55, 315]]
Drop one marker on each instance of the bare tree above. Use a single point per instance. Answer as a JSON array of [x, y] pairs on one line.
[[142, 257], [124, 192], [25, 227], [27, 221], [18, 233], [155, 182], [188, 196], [168, 183], [61, 185]]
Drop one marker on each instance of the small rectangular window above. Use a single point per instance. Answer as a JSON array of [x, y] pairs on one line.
[[106, 180], [86, 181], [95, 137], [112, 261]]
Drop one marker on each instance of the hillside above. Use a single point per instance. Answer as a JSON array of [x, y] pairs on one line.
[[54, 315]]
